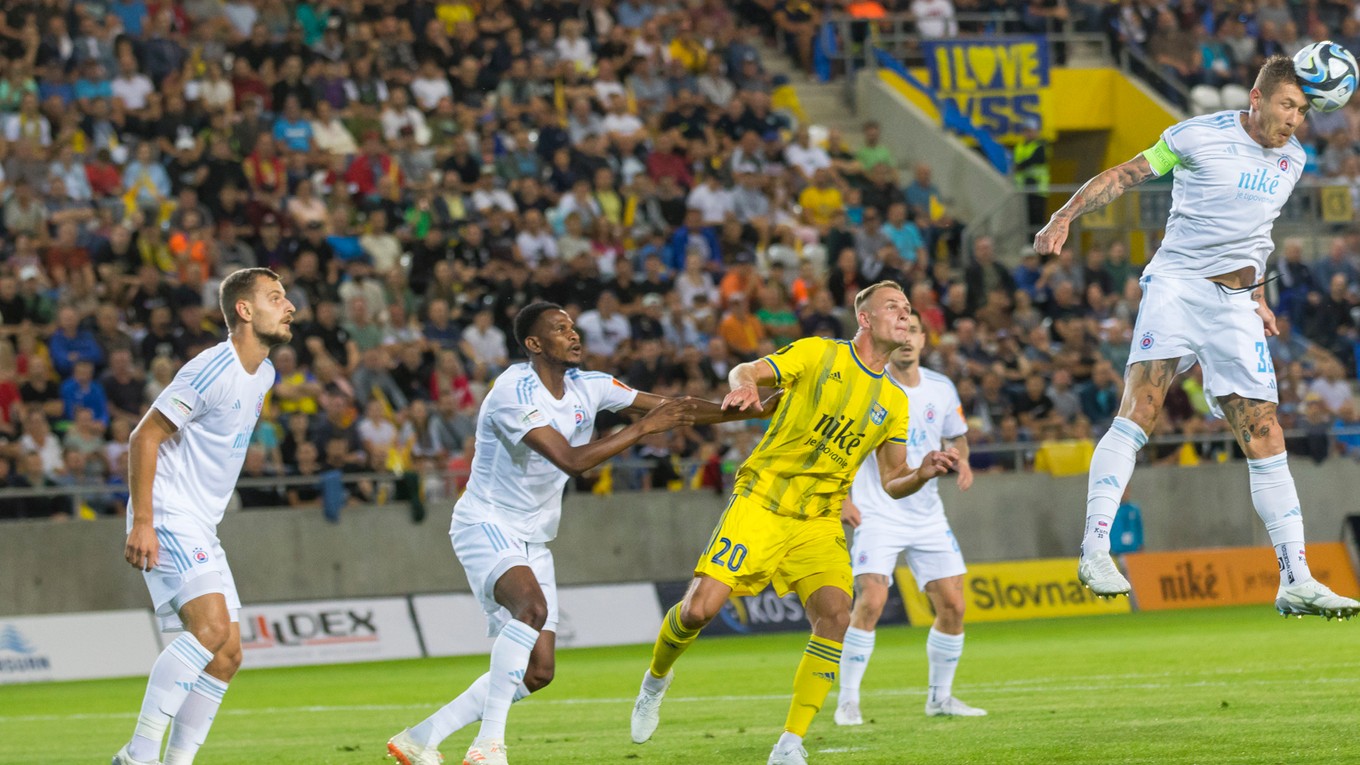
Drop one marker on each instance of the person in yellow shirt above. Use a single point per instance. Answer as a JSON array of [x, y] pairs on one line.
[[822, 199], [782, 523]]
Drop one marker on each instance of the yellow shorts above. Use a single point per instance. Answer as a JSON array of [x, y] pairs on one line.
[[752, 547]]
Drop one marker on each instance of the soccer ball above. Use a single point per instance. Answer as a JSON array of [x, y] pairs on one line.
[[1327, 73]]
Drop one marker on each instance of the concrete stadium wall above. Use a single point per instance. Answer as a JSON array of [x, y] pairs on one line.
[[294, 555]]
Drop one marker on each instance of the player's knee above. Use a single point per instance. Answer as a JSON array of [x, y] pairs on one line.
[[533, 613], [226, 663], [1144, 414], [696, 614], [537, 678], [949, 615], [832, 624], [212, 635]]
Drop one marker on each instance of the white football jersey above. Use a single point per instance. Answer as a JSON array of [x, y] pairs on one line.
[[215, 404], [935, 414], [1226, 193], [512, 485]]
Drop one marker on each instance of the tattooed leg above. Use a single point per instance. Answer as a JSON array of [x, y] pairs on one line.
[[1145, 387], [1255, 425]]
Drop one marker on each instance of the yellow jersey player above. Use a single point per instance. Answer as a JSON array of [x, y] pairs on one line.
[[782, 524]]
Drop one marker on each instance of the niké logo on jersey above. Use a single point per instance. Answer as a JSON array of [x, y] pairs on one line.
[[1259, 182]]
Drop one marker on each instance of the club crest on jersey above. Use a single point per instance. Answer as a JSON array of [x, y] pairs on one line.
[[930, 413], [200, 556], [1284, 164], [259, 405], [1146, 342], [877, 413], [582, 421]]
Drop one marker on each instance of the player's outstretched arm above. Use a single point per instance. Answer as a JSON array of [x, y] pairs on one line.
[[903, 480], [707, 412], [1095, 194], [575, 460], [142, 550]]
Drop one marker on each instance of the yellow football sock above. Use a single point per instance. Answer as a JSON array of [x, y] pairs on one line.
[[811, 682], [671, 642]]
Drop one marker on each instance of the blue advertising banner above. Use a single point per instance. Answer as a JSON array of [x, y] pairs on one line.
[[766, 611], [998, 83]]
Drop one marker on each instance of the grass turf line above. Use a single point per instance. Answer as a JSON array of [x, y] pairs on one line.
[[1236, 685]]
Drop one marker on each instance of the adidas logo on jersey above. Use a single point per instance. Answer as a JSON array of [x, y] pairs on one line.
[[236, 405], [834, 376]]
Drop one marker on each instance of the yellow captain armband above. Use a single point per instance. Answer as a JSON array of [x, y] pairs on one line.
[[1161, 158]]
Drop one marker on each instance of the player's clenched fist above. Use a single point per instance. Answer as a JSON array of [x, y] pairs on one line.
[[1051, 238], [142, 548]]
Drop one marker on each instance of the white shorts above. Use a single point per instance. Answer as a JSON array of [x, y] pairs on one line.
[[1197, 320], [487, 551], [191, 564], [930, 556]]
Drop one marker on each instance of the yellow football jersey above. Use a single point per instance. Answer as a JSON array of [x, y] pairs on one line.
[[834, 412]]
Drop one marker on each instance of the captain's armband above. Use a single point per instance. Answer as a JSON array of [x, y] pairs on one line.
[[1161, 158]]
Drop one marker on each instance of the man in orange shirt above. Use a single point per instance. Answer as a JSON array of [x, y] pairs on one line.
[[740, 328]]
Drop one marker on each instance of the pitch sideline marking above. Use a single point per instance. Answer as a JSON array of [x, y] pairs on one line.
[[978, 688]]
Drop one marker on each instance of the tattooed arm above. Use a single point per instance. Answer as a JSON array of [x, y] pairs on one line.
[[1095, 194]]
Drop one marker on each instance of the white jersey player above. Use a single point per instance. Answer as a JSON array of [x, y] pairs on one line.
[[916, 525], [184, 459], [534, 430], [1203, 301]]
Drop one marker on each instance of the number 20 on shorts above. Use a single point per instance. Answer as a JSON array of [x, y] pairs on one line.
[[735, 554]]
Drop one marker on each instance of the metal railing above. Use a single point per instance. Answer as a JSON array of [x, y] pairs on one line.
[[442, 485]]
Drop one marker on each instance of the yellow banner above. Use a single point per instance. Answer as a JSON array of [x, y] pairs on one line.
[[1030, 589]]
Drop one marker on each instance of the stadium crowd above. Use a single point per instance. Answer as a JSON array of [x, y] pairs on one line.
[[418, 171]]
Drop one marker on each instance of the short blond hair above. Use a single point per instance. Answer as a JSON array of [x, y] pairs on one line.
[[868, 292]]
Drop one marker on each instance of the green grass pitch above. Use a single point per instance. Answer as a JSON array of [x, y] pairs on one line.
[[1237, 685]]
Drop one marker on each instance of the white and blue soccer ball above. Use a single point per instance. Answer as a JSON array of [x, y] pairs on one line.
[[1327, 73]]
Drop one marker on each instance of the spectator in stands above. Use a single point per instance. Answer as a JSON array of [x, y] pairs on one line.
[[70, 344], [257, 468], [83, 391]]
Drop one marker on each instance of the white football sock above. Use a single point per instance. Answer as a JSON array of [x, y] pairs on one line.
[[172, 676], [789, 741], [459, 713], [1111, 468], [942, 652], [1277, 502], [509, 659], [858, 647], [194, 719]]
